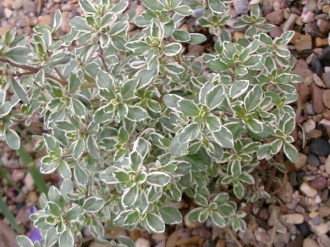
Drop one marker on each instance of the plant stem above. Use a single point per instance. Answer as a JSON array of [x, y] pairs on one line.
[[31, 71], [233, 237], [101, 55]]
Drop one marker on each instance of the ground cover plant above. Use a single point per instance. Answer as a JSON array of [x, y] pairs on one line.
[[132, 123]]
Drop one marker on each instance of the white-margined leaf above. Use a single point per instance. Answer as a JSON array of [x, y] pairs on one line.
[[224, 137], [87, 6], [238, 88], [19, 90], [155, 223], [136, 113], [93, 204], [128, 88], [173, 68], [197, 38], [130, 196], [19, 55], [172, 49], [57, 20], [78, 148], [239, 190], [66, 239], [183, 10], [172, 101], [216, 6], [253, 98], [188, 108], [118, 27], [24, 241], [181, 35], [170, 215], [120, 6], [291, 152], [158, 179], [78, 108], [92, 147], [5, 108], [218, 219], [215, 97], [190, 132], [154, 5], [12, 139]]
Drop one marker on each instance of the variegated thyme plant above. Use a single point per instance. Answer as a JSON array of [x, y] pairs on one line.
[[134, 122]]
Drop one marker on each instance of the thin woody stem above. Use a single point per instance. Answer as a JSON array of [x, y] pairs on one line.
[[101, 55], [31, 71]]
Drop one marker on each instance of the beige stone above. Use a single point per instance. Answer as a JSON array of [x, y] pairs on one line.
[[303, 43], [320, 229], [5, 28], [327, 165], [301, 161], [293, 219], [326, 98], [321, 42], [324, 211], [308, 190], [308, 242], [45, 20]]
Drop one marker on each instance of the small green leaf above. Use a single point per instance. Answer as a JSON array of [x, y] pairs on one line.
[[190, 132], [246, 178], [78, 148], [128, 88], [253, 98], [291, 152], [136, 113], [57, 20], [217, 66], [5, 108], [181, 35], [221, 198], [197, 38], [218, 219], [18, 55], [12, 139], [20, 91], [93, 204], [188, 108], [224, 137], [78, 108], [74, 213], [238, 88], [92, 147], [66, 239], [172, 101], [194, 214], [132, 218], [24, 241], [87, 6], [154, 5], [239, 190], [130, 196], [235, 168], [172, 49], [215, 97], [155, 223], [170, 215], [255, 125], [216, 6], [158, 179], [183, 10]]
